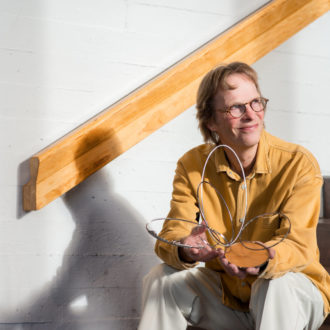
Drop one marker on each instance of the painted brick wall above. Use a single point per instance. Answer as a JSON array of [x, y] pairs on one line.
[[295, 77], [79, 262]]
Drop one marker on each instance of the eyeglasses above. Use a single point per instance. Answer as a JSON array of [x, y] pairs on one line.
[[238, 110]]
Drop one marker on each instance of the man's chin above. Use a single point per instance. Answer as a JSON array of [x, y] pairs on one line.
[[243, 142], [247, 144], [250, 140]]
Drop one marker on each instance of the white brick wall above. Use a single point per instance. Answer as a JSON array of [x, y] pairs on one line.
[[78, 263], [295, 77]]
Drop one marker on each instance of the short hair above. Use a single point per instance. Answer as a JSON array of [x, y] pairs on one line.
[[210, 85]]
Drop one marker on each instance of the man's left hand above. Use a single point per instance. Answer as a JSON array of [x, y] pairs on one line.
[[234, 270]]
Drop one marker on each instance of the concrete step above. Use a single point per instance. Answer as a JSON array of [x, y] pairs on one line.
[[326, 197], [323, 240]]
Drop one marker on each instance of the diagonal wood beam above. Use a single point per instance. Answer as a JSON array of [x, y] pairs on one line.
[[67, 162]]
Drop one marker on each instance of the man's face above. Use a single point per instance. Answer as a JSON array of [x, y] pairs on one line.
[[240, 133]]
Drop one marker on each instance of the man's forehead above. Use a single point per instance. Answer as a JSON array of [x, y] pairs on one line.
[[241, 88], [235, 80]]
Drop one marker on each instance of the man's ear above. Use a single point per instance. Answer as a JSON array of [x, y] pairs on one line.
[[211, 126]]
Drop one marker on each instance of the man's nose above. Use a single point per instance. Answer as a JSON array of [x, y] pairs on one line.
[[249, 112]]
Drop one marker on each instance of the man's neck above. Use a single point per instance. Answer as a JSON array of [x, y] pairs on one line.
[[247, 158]]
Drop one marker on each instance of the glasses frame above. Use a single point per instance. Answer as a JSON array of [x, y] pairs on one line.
[[227, 110]]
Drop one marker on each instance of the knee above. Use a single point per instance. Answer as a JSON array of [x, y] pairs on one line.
[[158, 272], [277, 284], [157, 276], [281, 289], [293, 294]]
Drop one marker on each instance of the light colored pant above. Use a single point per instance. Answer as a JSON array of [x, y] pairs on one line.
[[172, 298]]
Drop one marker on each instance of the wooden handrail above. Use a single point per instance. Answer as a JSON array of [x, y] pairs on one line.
[[70, 160]]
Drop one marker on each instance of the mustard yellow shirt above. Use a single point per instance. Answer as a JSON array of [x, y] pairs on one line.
[[285, 178]]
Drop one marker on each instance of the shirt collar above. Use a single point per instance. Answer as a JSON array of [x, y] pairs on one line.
[[262, 164]]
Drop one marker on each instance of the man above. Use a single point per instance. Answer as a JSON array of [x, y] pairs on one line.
[[290, 291]]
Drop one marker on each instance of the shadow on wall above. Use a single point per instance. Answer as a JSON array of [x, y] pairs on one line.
[[23, 175], [98, 285]]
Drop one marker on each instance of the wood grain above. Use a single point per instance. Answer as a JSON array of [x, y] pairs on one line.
[[67, 162], [245, 255]]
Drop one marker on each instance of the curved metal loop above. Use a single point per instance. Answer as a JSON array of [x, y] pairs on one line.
[[219, 238]]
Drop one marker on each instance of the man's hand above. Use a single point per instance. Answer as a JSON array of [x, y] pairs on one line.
[[197, 237], [234, 270]]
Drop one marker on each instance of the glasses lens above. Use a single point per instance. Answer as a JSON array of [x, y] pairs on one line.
[[258, 104], [237, 110]]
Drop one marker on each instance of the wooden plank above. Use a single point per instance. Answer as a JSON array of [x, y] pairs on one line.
[[67, 162]]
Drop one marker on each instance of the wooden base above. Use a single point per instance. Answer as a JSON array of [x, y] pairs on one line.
[[243, 256]]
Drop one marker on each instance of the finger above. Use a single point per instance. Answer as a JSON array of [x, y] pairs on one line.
[[204, 242], [272, 253], [207, 249], [209, 256], [231, 269], [227, 266], [224, 261], [234, 269], [252, 270], [193, 241], [197, 230], [206, 255], [221, 253], [242, 274], [193, 251], [237, 271]]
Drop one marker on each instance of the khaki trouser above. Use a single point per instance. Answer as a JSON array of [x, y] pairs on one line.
[[172, 299]]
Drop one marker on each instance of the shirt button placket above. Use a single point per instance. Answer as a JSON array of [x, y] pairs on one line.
[[241, 203]]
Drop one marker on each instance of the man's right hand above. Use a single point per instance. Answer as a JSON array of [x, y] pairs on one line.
[[234, 270], [197, 237]]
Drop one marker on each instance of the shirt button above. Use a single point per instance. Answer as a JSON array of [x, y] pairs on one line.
[[243, 283], [243, 186]]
